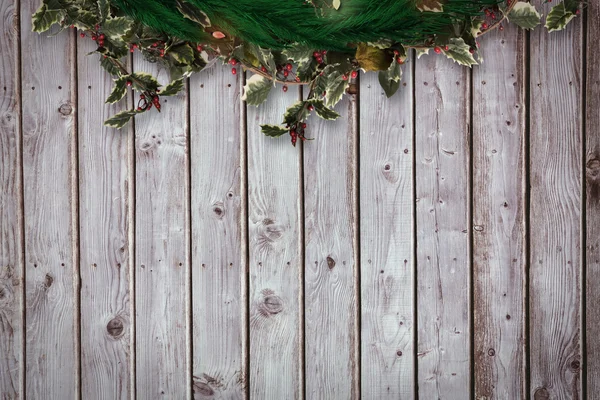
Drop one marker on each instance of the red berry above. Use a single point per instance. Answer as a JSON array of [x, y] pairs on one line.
[[286, 73], [319, 60], [233, 61], [501, 27], [129, 83], [289, 67], [285, 88], [484, 26], [396, 52], [324, 52], [446, 48], [94, 37], [139, 108], [72, 26], [437, 50], [142, 96], [400, 60], [233, 71], [310, 107], [97, 27], [101, 43], [304, 126], [345, 77], [354, 74], [199, 48], [316, 54], [493, 16], [297, 79], [102, 36], [82, 34], [577, 12], [471, 50]]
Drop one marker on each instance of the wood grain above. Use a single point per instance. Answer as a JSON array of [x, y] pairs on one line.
[[162, 254], [592, 196], [218, 265], [11, 215], [48, 163], [104, 204], [555, 218], [331, 263], [499, 260], [274, 252], [386, 239], [442, 212]]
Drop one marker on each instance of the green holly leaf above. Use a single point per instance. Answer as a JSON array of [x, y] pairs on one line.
[[193, 13], [256, 90], [273, 130], [119, 120], [299, 53], [459, 51], [524, 15], [336, 86], [143, 81], [172, 88], [44, 18], [322, 110], [559, 16], [390, 79], [117, 27], [118, 91]]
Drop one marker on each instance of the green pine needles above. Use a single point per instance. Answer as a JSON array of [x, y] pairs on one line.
[[319, 43]]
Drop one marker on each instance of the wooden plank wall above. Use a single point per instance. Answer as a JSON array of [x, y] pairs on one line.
[[439, 244]]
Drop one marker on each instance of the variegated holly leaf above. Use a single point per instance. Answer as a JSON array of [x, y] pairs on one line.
[[524, 15], [193, 13], [256, 90], [430, 5], [118, 91], [460, 52], [44, 18], [322, 110], [559, 16], [273, 130], [119, 120], [390, 79], [336, 86], [298, 53], [172, 88]]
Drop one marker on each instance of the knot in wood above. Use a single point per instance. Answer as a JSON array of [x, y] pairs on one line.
[[115, 327], [491, 352], [574, 365], [330, 262], [203, 389], [593, 167], [65, 109], [48, 280], [6, 296], [541, 394], [271, 305]]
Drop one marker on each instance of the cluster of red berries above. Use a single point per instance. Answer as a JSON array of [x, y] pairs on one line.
[[297, 131], [233, 62], [319, 55], [144, 104], [96, 35], [399, 59], [160, 46]]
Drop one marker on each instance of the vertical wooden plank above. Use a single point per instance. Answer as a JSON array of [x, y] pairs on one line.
[[11, 213], [386, 239], [162, 248], [274, 252], [555, 218], [331, 300], [592, 192], [498, 214], [48, 162], [218, 265], [104, 227], [442, 211]]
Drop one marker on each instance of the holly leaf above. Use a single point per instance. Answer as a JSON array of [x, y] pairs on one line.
[[256, 90], [117, 27], [44, 18], [143, 81], [119, 120], [558, 17], [172, 88], [109, 66], [298, 53], [459, 51], [422, 52], [430, 5], [104, 9], [183, 53], [322, 110], [118, 91], [390, 79], [524, 15], [306, 70], [371, 58], [273, 130], [336, 86], [296, 112], [193, 13]]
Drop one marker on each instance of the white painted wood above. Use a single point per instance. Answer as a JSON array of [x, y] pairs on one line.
[[555, 204], [103, 231], [592, 195], [499, 260], [442, 196], [331, 308], [386, 239], [275, 264], [218, 265], [11, 215], [48, 161], [162, 248]]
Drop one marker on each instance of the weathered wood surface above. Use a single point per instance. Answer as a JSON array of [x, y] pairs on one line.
[[555, 213], [105, 165], [387, 240], [331, 263], [194, 237], [49, 168], [11, 216], [162, 254], [442, 228], [592, 198], [218, 264], [499, 260], [275, 255]]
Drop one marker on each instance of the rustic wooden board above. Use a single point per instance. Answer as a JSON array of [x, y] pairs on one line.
[[218, 265], [499, 259], [592, 196], [331, 262], [162, 303], [49, 201], [104, 203], [442, 213], [11, 213], [274, 235], [555, 235], [387, 240]]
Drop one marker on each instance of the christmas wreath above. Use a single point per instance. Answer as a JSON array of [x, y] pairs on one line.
[[319, 43]]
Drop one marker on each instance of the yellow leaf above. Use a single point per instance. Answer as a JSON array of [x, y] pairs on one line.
[[371, 58]]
